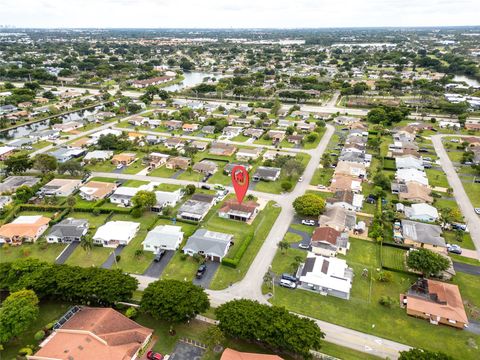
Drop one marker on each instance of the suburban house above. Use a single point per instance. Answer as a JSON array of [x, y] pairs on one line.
[[327, 241], [222, 149], [338, 218], [64, 154], [189, 127], [100, 155], [421, 212], [156, 159], [233, 210], [206, 167], [94, 333], [174, 143], [295, 139], [345, 183], [140, 84], [60, 187], [199, 145], [5, 200], [173, 124], [437, 302], [273, 154], [276, 135], [96, 190], [124, 159], [163, 237], [230, 354], [409, 162], [347, 199], [24, 229], [196, 207], [421, 235], [266, 173], [253, 132], [351, 169], [12, 183], [115, 233], [406, 175], [211, 244], [326, 275], [124, 194], [355, 157], [166, 198], [247, 154], [345, 120], [68, 126], [227, 169], [208, 129], [67, 231], [178, 162], [412, 192], [232, 131], [5, 152]]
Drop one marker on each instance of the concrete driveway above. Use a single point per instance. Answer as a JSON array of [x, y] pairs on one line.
[[65, 254], [111, 259], [207, 277], [184, 351], [156, 268]]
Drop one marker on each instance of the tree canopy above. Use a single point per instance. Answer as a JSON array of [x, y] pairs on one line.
[[309, 205], [427, 262], [420, 354], [174, 300], [275, 326], [18, 164], [17, 313], [45, 163], [144, 199]]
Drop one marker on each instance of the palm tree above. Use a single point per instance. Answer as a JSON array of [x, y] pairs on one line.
[[283, 245], [86, 243]]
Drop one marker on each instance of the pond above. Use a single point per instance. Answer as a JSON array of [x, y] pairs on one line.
[[466, 79], [26, 130], [191, 79]]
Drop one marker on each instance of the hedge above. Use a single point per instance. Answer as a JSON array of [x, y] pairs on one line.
[[233, 262]]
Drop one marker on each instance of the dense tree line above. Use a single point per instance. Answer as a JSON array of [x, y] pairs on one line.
[[68, 283]]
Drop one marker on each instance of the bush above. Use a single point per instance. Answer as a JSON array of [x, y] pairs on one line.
[[26, 351], [136, 212], [233, 262], [384, 276], [39, 335], [117, 258], [286, 185], [183, 257], [387, 301], [131, 312], [96, 211], [49, 326], [138, 253]]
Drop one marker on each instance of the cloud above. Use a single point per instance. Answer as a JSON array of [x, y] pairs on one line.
[[235, 13]]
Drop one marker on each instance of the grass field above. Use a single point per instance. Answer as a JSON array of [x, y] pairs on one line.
[[322, 177], [393, 258], [45, 252], [437, 178]]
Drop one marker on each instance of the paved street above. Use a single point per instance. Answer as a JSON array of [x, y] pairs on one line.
[[472, 220]]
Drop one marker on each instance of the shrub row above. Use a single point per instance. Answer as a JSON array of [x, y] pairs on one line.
[[233, 262]]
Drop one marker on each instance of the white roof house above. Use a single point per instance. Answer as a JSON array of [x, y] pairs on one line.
[[408, 162], [422, 212], [327, 275], [124, 194], [167, 198], [98, 155], [115, 233], [163, 237], [105, 132], [412, 175]]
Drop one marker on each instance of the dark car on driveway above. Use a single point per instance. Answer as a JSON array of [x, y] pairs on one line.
[[289, 277], [159, 255], [201, 271]]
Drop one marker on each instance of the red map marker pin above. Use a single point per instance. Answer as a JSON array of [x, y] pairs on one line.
[[240, 182]]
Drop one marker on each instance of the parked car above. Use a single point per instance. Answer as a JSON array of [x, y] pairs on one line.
[[458, 226], [321, 187], [477, 211], [119, 166], [159, 255], [286, 276], [308, 222], [219, 187], [201, 271], [151, 355], [288, 284], [300, 179], [453, 248], [206, 187], [304, 246], [468, 163]]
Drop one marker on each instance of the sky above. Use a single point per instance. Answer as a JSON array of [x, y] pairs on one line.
[[237, 13]]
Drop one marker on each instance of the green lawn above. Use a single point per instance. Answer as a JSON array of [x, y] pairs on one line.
[[104, 179], [162, 172], [472, 190], [466, 242], [44, 252], [465, 260], [393, 258], [391, 323], [304, 228], [134, 168], [94, 257], [181, 268], [261, 226], [168, 187], [437, 178], [322, 177], [344, 353], [468, 285], [284, 261], [135, 183]]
